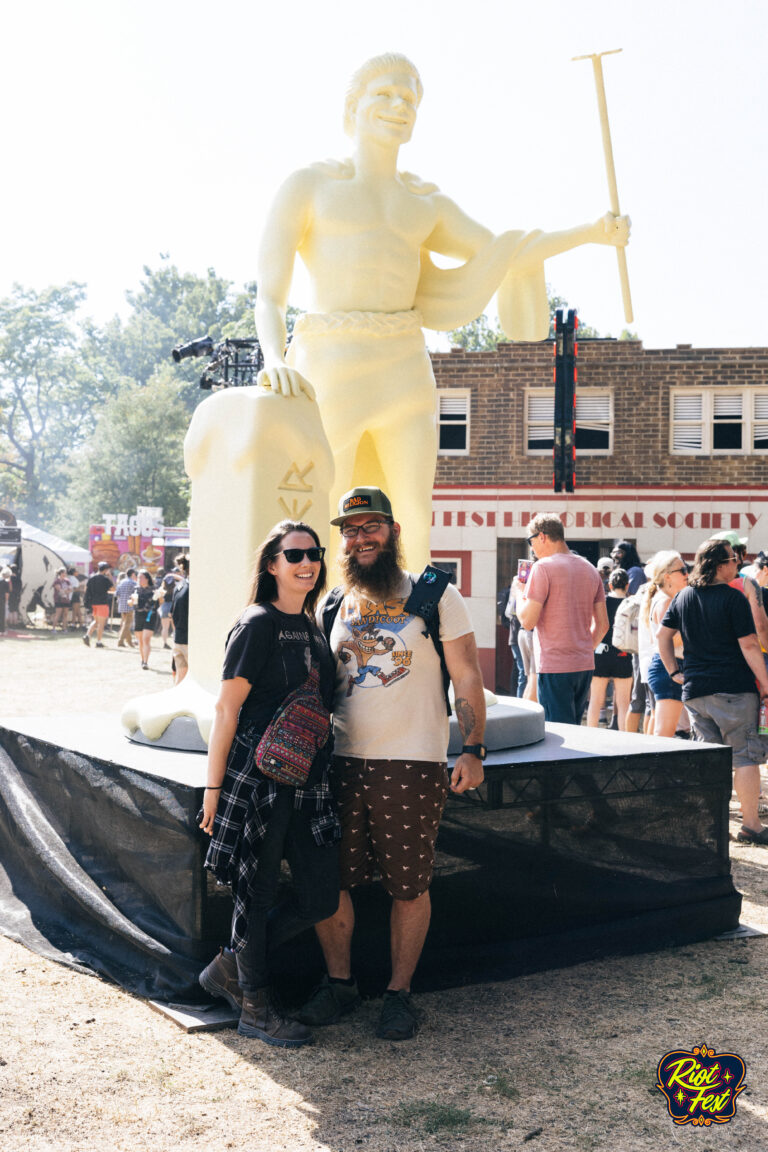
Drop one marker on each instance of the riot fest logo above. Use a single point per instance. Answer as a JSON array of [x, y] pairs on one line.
[[701, 1086]]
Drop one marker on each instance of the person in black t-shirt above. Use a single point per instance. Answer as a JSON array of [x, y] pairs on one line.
[[255, 822], [180, 616], [97, 593], [722, 662]]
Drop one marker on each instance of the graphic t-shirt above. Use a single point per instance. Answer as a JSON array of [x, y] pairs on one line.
[[711, 621], [389, 690], [568, 588], [272, 651]]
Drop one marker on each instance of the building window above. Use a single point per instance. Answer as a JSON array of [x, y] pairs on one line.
[[710, 421], [594, 422], [453, 422]]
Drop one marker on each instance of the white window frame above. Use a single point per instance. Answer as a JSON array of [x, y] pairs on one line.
[[583, 394], [456, 398], [701, 424]]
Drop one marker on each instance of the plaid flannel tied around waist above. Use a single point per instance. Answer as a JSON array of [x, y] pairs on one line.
[[245, 804]]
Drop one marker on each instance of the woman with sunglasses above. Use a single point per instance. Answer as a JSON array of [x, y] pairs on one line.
[[255, 822], [667, 575]]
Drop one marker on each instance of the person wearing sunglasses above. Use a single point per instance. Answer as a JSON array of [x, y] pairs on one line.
[[389, 769], [667, 575], [255, 822], [724, 676]]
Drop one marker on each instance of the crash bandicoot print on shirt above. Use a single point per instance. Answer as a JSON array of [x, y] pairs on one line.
[[374, 655]]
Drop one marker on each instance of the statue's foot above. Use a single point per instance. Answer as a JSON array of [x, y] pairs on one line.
[[180, 718]]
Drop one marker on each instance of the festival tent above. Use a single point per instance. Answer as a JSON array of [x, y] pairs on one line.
[[70, 553]]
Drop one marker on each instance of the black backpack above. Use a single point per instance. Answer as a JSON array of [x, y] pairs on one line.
[[423, 601]]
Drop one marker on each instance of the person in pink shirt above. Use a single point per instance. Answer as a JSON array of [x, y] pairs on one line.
[[564, 601]]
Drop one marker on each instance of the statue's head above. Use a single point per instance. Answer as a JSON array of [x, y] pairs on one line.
[[388, 64]]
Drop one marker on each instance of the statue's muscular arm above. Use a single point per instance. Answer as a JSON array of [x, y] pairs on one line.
[[448, 298], [284, 231]]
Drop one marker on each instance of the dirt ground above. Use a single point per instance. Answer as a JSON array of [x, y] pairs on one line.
[[561, 1060]]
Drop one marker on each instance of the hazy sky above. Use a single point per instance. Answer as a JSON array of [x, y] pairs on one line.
[[164, 126]]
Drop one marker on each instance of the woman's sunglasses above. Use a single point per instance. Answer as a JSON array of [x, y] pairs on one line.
[[296, 555]]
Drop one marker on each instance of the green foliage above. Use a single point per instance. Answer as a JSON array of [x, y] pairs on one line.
[[53, 380], [477, 336], [171, 308], [134, 457], [59, 377]]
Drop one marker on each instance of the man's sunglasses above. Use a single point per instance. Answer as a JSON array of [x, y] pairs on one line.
[[296, 555]]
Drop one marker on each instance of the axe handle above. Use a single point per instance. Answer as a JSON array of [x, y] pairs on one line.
[[613, 192]]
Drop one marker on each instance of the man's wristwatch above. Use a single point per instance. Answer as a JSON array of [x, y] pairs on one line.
[[478, 750]]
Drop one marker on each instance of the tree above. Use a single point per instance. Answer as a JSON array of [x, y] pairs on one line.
[[171, 308], [482, 336], [49, 393], [135, 457], [477, 336]]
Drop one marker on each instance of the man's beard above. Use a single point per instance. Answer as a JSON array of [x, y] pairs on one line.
[[378, 580]]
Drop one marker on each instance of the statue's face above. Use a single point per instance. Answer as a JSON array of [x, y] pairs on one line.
[[386, 109]]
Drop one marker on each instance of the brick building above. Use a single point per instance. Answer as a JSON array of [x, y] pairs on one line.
[[672, 445]]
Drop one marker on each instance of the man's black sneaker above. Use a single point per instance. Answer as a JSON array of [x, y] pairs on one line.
[[399, 1017], [328, 1003]]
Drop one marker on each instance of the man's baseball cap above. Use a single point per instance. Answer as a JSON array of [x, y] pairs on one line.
[[102, 565], [733, 539], [359, 500], [604, 562]]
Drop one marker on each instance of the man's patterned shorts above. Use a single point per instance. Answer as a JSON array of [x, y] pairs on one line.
[[390, 811]]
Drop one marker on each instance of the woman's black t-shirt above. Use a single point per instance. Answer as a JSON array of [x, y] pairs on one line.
[[272, 650], [144, 597]]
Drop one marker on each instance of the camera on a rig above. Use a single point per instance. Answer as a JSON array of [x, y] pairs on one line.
[[235, 362]]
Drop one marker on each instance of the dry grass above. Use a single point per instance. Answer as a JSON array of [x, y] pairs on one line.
[[556, 1061]]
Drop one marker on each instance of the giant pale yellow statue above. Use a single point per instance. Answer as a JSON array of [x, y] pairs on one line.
[[357, 366]]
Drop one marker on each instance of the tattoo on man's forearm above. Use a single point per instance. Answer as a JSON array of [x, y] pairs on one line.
[[465, 714]]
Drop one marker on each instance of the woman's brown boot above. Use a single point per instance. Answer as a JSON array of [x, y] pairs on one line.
[[262, 1019]]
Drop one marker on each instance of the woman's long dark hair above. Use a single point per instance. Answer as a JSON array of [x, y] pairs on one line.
[[263, 584], [709, 557]]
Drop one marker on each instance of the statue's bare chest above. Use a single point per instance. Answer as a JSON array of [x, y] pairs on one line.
[[348, 207]]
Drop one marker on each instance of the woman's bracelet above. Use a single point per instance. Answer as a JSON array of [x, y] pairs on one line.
[[208, 788]]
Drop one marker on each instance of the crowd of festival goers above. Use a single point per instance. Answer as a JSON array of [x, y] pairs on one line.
[[145, 604], [681, 650]]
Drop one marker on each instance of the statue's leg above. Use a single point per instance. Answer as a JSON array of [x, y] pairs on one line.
[[408, 455]]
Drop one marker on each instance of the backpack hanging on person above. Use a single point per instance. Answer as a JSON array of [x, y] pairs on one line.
[[625, 625]]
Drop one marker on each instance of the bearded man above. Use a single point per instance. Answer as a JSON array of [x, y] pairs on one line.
[[391, 741]]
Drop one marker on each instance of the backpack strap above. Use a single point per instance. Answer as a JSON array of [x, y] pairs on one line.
[[424, 601], [331, 610]]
